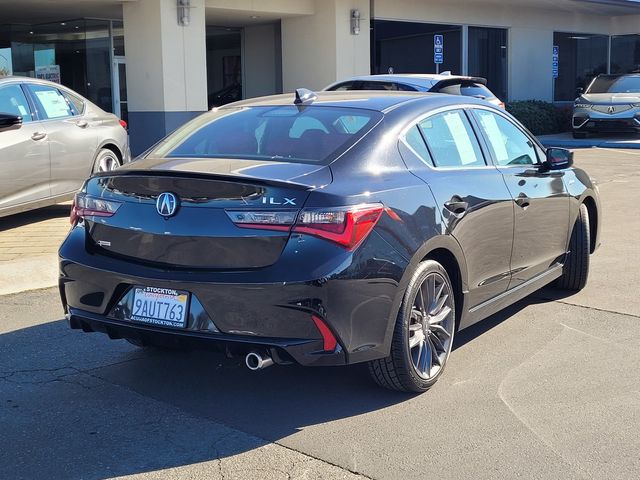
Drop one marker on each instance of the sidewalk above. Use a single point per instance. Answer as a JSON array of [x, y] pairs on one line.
[[566, 140], [28, 248]]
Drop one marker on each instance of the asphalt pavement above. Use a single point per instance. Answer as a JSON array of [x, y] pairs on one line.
[[546, 389]]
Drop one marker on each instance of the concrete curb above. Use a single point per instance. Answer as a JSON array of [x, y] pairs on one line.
[[32, 273]]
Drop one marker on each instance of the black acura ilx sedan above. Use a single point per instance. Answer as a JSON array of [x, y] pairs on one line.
[[328, 229]]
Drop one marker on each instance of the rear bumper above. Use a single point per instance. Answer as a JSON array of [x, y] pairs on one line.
[[245, 311]]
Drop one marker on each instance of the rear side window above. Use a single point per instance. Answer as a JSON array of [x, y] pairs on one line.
[[13, 101], [468, 89], [414, 139], [75, 102], [51, 104], [343, 87], [451, 140], [313, 134]]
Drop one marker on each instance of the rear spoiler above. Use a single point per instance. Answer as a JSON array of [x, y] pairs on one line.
[[447, 82]]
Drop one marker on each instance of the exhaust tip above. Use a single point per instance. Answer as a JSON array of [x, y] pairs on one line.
[[255, 361]]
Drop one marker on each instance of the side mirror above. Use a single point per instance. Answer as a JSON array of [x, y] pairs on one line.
[[9, 121], [579, 91], [558, 159]]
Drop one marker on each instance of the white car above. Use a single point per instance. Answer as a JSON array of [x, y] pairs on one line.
[[421, 82]]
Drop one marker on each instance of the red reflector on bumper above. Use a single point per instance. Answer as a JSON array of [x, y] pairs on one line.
[[329, 339]]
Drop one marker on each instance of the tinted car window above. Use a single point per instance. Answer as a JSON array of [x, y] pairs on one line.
[[451, 140], [343, 86], [414, 139], [75, 102], [369, 85], [510, 146], [50, 102], [315, 134], [468, 90], [12, 100], [615, 84]]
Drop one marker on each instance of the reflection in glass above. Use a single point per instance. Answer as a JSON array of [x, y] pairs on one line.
[[407, 47], [625, 54], [488, 57], [582, 57]]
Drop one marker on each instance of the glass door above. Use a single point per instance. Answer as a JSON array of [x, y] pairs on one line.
[[120, 107]]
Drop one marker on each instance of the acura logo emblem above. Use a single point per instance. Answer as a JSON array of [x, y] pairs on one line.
[[611, 109], [167, 204]]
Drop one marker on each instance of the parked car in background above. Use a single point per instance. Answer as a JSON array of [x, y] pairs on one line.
[[231, 93], [419, 82], [332, 229], [610, 104], [51, 140]]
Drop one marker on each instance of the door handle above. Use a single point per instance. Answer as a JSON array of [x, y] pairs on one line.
[[38, 136], [523, 201], [457, 207], [82, 124]]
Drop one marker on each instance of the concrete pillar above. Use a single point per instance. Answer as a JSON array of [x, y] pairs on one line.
[[320, 49], [166, 68]]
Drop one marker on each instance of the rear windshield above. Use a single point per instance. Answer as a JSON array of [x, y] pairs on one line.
[[309, 134], [468, 90], [615, 84]]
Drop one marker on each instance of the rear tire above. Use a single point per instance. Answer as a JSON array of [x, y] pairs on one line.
[[105, 161], [576, 266], [423, 334], [580, 135]]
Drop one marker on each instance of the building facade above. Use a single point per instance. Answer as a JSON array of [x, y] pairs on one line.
[[157, 63]]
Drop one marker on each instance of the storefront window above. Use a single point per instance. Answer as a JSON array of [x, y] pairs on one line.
[[488, 57], [407, 47], [625, 54], [581, 58], [75, 53]]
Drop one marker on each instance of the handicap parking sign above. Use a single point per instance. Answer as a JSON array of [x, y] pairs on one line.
[[438, 40], [438, 49]]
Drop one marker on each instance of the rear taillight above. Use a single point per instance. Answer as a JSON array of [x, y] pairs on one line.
[[346, 226], [123, 124], [264, 220], [87, 206]]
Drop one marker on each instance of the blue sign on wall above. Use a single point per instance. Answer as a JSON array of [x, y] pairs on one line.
[[554, 61], [438, 49]]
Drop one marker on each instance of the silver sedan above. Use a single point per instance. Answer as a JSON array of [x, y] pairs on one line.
[[51, 140]]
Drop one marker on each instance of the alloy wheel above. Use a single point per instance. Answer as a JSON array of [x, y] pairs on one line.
[[107, 163], [431, 326]]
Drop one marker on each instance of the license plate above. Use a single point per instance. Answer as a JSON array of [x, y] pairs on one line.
[[164, 307]]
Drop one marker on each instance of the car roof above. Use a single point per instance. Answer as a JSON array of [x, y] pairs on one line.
[[370, 100], [17, 78]]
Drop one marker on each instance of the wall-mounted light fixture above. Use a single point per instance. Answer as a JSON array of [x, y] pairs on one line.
[[355, 22], [184, 12]]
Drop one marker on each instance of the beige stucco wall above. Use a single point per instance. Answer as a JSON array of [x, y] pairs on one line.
[[530, 33], [625, 25], [319, 49], [166, 67]]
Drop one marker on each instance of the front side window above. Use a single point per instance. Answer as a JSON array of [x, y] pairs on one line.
[[451, 140], [13, 101], [51, 104], [315, 134], [509, 144]]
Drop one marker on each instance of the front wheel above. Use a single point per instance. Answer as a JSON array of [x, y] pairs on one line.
[[576, 266], [423, 334]]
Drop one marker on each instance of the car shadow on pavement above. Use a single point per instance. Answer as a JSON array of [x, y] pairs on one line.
[[40, 215], [76, 405]]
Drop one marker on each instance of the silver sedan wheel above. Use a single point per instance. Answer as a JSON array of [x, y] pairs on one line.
[[106, 163], [431, 326]]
